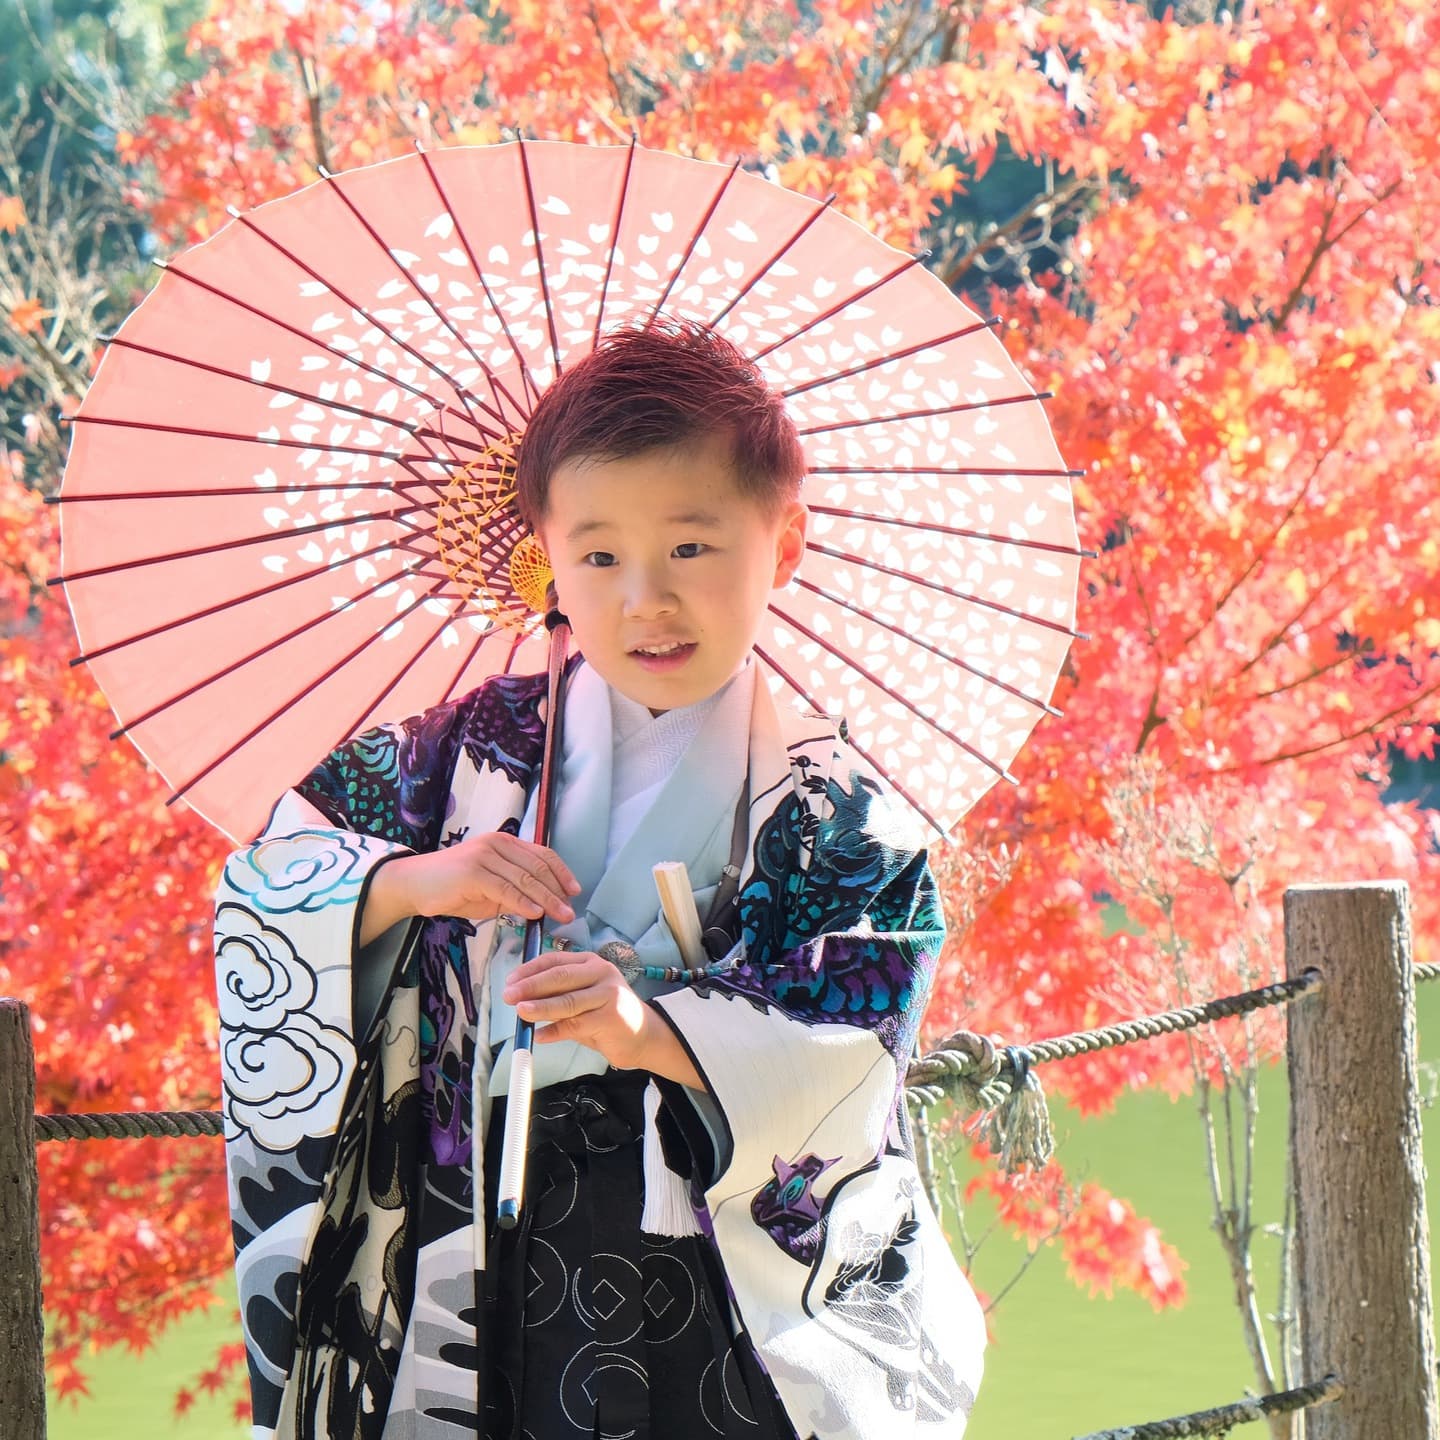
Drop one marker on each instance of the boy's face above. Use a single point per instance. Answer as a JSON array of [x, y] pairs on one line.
[[665, 568]]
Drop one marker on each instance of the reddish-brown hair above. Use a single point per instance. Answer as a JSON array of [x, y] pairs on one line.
[[672, 383]]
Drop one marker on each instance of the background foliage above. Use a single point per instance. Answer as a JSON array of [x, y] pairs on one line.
[[1213, 235]]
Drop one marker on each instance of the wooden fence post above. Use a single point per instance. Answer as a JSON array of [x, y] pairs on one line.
[[22, 1363], [1362, 1240]]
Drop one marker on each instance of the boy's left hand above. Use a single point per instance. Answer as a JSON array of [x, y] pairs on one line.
[[578, 995]]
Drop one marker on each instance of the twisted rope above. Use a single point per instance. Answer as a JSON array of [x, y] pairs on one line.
[[968, 1057], [968, 1069], [1427, 972], [1223, 1418], [965, 1067], [127, 1125]]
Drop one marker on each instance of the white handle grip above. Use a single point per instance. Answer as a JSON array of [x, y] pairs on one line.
[[511, 1189]]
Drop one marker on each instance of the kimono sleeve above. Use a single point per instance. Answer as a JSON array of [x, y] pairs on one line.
[[842, 934], [837, 1266], [287, 966]]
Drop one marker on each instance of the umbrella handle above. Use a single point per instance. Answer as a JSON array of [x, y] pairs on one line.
[[511, 1189]]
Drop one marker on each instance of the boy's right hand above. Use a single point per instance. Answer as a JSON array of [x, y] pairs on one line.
[[477, 879]]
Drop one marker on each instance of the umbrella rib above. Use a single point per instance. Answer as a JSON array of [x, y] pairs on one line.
[[305, 690], [889, 358], [814, 704], [851, 663], [423, 360], [296, 331], [311, 623], [960, 409], [909, 263], [615, 235], [238, 599], [399, 457], [515, 645], [409, 428], [932, 527], [935, 585], [774, 260], [222, 605], [223, 491], [694, 240], [410, 664], [455, 679], [525, 376], [539, 253], [937, 470], [215, 549], [440, 315], [913, 639]]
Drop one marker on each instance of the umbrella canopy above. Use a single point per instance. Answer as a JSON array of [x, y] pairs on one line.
[[288, 513]]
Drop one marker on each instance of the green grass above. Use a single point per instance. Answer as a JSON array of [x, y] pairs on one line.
[[1062, 1365]]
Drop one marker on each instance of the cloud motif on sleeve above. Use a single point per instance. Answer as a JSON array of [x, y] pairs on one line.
[[306, 870], [261, 979], [280, 1061]]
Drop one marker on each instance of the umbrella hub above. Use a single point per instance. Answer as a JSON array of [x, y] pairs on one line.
[[483, 543]]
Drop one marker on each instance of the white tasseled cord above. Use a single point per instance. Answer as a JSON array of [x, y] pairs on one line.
[[667, 1211]]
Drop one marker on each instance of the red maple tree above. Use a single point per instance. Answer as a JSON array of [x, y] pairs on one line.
[[1217, 249]]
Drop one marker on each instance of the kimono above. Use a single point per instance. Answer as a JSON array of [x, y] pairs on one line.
[[357, 1095]]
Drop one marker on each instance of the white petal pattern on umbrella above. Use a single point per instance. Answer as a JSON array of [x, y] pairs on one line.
[[250, 518]]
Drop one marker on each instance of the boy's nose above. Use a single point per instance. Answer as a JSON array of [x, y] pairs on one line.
[[648, 595]]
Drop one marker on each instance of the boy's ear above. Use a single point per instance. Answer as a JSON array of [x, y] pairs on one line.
[[790, 544]]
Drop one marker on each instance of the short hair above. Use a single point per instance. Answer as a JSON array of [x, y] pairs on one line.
[[670, 383]]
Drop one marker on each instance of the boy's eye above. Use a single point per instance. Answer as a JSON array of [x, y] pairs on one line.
[[690, 549], [599, 558]]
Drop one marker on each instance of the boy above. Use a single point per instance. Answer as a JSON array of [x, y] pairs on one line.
[[723, 1230]]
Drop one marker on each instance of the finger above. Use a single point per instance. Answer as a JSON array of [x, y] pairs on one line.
[[570, 1005], [528, 892], [580, 963], [560, 872], [543, 863], [557, 1030]]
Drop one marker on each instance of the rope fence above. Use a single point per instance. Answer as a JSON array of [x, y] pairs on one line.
[[998, 1080], [1223, 1418], [965, 1067]]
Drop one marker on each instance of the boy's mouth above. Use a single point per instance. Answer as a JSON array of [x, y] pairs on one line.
[[668, 656]]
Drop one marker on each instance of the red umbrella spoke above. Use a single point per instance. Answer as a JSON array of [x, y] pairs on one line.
[[270, 319], [890, 357], [548, 308], [304, 627], [265, 592], [400, 457], [374, 706], [497, 388], [895, 694], [614, 237], [219, 547], [954, 531], [879, 768], [910, 578], [309, 688], [910, 636], [773, 260], [894, 416], [356, 308], [865, 291], [695, 235]]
